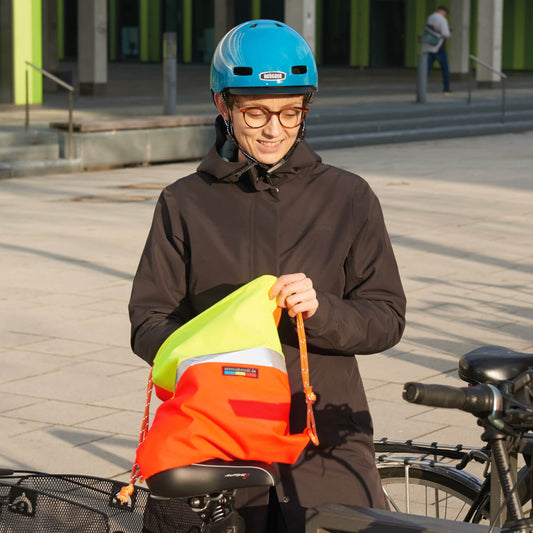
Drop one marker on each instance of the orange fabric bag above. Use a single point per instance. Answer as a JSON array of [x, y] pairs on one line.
[[229, 398]]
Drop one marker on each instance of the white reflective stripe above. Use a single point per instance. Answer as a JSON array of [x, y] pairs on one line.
[[251, 357]]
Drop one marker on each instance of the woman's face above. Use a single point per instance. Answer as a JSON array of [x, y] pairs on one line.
[[269, 143]]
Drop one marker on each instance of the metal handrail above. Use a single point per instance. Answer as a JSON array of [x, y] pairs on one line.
[[492, 69], [63, 84]]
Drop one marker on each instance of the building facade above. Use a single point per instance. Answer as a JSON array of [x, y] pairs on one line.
[[354, 33]]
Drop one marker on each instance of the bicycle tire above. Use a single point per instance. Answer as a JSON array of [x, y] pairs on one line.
[[433, 491]]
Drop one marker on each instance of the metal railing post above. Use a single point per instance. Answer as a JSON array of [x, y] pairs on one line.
[[503, 100], [470, 79], [70, 125], [70, 90], [497, 72], [27, 119]]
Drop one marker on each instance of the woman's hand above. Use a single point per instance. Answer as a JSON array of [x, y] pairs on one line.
[[295, 293]]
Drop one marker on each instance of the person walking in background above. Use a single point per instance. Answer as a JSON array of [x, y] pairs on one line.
[[438, 23]]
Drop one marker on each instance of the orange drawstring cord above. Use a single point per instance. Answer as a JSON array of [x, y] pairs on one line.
[[310, 396], [127, 490]]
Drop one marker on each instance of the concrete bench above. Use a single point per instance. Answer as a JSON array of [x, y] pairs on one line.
[[140, 140]]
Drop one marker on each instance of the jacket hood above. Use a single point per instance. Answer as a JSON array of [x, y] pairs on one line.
[[216, 166]]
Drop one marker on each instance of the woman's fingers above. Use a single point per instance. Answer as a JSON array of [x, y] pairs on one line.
[[295, 292]]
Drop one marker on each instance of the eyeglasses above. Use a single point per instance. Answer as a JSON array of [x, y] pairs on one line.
[[257, 117]]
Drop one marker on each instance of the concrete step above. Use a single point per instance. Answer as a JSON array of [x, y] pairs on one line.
[[32, 152], [419, 134], [18, 137], [372, 125], [391, 110], [388, 111], [15, 169], [389, 123]]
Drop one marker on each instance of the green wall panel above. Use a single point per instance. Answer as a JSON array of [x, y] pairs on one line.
[[256, 9], [359, 33], [27, 46], [508, 48], [36, 94], [144, 24], [150, 30], [416, 13], [60, 29], [154, 37], [519, 34], [517, 41], [187, 31], [528, 36]]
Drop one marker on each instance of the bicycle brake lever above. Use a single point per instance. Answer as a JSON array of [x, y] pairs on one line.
[[473, 455]]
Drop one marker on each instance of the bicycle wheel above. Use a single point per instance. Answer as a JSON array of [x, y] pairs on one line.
[[429, 490]]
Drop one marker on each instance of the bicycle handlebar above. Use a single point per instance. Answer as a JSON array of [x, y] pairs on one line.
[[479, 399]]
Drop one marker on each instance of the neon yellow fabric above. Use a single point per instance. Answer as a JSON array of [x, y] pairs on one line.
[[242, 320]]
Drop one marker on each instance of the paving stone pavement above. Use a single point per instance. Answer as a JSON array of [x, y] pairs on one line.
[[72, 393]]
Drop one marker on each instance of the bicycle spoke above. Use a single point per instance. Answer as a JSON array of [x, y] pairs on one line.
[[428, 491]]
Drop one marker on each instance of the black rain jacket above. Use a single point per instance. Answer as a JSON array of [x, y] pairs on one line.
[[231, 222]]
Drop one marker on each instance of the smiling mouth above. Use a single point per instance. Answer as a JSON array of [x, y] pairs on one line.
[[270, 144]]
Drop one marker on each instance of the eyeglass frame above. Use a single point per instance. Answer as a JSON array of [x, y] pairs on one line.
[[303, 110]]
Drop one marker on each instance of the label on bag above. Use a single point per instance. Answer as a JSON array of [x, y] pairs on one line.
[[240, 371]]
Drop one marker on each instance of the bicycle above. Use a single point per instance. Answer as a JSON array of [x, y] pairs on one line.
[[410, 469], [440, 468], [501, 397]]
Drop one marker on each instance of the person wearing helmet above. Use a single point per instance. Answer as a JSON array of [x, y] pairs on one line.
[[262, 202], [245, 71]]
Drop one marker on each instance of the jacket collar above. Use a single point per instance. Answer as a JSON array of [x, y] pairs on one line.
[[229, 171]]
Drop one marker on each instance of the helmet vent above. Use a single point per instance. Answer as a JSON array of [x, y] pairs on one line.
[[299, 69], [242, 71]]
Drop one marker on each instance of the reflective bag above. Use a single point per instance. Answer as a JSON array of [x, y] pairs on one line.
[[226, 392]]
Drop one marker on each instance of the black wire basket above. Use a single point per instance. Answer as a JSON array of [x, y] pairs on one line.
[[60, 503]]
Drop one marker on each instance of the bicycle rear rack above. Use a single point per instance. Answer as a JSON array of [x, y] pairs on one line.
[[430, 454]]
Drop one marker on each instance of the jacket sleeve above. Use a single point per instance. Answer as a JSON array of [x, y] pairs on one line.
[[158, 303], [370, 317], [445, 29]]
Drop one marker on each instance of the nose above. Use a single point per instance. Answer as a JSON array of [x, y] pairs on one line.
[[273, 127]]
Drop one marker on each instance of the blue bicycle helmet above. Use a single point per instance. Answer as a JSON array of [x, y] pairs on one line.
[[263, 57]]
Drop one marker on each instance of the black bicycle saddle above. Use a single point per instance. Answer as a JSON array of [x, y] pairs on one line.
[[490, 364], [211, 476]]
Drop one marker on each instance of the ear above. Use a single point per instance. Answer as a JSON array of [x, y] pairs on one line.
[[221, 106]]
